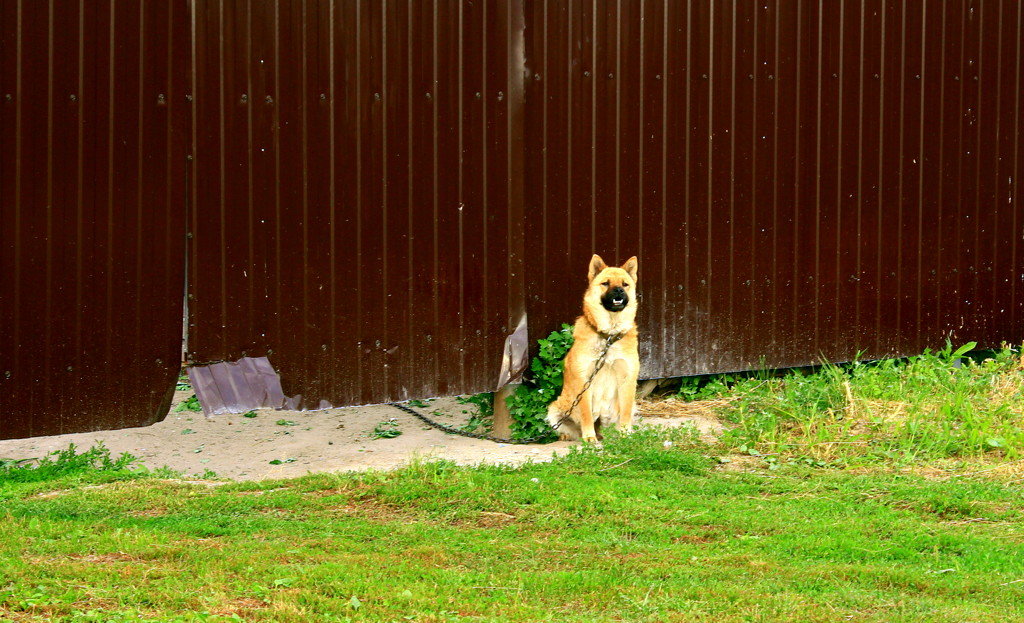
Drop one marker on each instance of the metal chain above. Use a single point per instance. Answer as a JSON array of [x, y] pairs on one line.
[[458, 431], [597, 368], [609, 341]]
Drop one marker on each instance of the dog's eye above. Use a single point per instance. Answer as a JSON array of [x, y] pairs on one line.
[[625, 285], [605, 284]]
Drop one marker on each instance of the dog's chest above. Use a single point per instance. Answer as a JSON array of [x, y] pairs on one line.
[[616, 353], [608, 379], [604, 393]]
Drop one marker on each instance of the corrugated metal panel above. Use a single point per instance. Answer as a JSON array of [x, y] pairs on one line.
[[91, 213], [355, 209], [801, 180]]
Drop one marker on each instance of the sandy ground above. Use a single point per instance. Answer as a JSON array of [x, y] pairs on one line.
[[332, 440]]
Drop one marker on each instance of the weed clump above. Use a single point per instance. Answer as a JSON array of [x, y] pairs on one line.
[[528, 405], [388, 429], [940, 404], [63, 463], [481, 411], [190, 404]]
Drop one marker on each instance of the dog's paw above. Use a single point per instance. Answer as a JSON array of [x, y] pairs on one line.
[[590, 439], [565, 437]]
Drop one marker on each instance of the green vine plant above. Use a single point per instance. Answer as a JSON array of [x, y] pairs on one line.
[[528, 404], [482, 407]]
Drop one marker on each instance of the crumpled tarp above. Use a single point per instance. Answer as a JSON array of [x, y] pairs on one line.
[[237, 386], [516, 355]]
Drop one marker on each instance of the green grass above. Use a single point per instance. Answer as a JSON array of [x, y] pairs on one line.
[[641, 531], [938, 405]]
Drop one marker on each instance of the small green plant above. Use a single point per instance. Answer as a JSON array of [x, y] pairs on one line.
[[481, 417], [528, 404], [12, 463], [281, 462], [419, 404], [386, 429], [249, 414], [484, 402], [64, 463], [285, 423], [707, 387], [191, 404]]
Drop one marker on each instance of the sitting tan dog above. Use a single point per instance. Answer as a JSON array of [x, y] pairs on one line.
[[608, 320]]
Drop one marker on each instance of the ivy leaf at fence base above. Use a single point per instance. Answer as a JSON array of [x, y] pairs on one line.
[[528, 404]]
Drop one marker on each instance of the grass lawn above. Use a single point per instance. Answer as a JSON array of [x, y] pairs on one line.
[[636, 532], [871, 492]]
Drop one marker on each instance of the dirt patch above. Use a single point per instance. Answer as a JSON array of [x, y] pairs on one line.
[[332, 440], [286, 444]]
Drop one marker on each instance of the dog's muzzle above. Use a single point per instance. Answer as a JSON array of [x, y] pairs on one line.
[[615, 300]]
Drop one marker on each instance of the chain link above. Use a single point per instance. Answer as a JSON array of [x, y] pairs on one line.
[[609, 341]]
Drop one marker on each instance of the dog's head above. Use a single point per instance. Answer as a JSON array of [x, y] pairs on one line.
[[613, 287]]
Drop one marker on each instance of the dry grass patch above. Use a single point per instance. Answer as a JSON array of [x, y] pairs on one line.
[[914, 411], [676, 408], [993, 467], [105, 558], [704, 415], [241, 607], [740, 463]]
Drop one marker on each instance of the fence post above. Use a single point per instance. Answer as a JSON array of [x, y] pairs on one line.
[[502, 419]]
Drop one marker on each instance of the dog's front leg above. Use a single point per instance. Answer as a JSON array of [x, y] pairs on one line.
[[587, 419], [627, 403]]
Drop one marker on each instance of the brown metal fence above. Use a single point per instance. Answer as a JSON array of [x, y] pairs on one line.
[[801, 180], [92, 163], [355, 210]]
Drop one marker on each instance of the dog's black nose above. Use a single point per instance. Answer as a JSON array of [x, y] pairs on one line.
[[615, 299]]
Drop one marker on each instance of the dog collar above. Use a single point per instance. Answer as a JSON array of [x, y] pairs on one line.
[[611, 338]]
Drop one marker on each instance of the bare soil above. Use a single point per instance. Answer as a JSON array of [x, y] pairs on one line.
[[331, 440]]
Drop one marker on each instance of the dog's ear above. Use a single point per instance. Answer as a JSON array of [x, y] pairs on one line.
[[596, 266], [630, 267]]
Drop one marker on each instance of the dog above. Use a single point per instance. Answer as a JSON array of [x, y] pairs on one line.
[[609, 316]]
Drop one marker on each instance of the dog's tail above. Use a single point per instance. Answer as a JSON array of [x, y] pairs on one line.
[[555, 415]]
